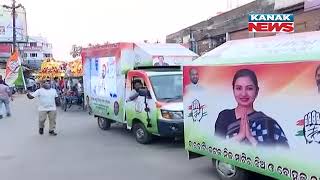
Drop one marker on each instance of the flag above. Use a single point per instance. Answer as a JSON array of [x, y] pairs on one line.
[[13, 69], [20, 79], [301, 124]]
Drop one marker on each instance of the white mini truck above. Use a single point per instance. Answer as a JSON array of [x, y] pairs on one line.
[[111, 73]]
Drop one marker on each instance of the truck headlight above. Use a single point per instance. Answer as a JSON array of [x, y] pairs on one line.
[[172, 114]]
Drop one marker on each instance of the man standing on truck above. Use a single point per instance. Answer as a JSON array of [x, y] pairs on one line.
[[194, 78], [137, 84], [47, 106]]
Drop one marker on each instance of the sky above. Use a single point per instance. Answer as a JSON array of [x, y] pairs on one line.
[[68, 22]]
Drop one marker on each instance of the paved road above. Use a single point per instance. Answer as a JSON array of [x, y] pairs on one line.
[[81, 151]]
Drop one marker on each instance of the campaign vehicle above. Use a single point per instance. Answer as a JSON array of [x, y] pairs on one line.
[[138, 85], [253, 105]]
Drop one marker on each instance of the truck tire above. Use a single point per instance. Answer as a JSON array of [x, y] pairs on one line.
[[104, 123], [229, 172], [141, 134]]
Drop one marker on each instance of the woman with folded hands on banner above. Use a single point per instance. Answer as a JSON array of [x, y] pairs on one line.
[[244, 123]]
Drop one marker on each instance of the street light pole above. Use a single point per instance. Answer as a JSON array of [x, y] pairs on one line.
[[13, 8], [14, 37]]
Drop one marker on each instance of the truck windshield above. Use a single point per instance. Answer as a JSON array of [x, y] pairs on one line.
[[167, 87]]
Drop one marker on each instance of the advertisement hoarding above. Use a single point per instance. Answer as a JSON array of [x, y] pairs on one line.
[[6, 26]]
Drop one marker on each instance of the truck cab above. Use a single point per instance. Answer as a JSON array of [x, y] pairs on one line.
[[158, 110]]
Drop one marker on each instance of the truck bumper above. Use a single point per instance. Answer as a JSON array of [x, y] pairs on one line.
[[172, 128]]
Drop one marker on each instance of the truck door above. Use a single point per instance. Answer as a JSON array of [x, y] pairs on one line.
[[140, 107]]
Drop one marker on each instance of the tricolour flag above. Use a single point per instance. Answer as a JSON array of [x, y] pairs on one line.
[[13, 70]]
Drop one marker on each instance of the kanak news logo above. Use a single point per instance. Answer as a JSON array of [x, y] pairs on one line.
[[271, 23]]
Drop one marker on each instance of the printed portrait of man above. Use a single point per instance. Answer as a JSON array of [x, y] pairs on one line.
[[194, 78], [161, 62], [102, 81]]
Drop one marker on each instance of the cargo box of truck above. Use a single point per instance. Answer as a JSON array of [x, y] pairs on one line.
[[253, 104]]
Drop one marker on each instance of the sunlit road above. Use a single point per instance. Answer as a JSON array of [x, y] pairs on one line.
[[82, 151]]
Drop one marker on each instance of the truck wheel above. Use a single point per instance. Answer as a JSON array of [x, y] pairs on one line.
[[104, 123], [226, 171], [141, 134]]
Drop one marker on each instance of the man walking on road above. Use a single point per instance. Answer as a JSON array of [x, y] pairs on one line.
[[47, 106], [5, 95]]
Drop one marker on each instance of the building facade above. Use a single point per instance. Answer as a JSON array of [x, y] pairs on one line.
[[35, 51], [206, 35]]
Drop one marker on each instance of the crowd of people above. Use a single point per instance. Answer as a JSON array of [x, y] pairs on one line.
[[60, 84]]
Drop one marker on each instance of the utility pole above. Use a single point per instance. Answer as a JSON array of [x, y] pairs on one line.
[[13, 8], [14, 35]]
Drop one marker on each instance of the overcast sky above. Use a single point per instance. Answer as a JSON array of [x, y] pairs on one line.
[[67, 22]]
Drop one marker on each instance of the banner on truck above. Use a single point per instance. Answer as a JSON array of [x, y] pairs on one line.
[[103, 84], [264, 117], [171, 60], [103, 77]]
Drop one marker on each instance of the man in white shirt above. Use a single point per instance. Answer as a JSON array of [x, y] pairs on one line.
[[47, 106]]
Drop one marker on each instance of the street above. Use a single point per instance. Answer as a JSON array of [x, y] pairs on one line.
[[235, 82], [83, 151]]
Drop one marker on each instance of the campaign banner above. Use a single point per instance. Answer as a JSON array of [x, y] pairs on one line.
[[171, 60], [6, 25], [263, 117], [103, 83]]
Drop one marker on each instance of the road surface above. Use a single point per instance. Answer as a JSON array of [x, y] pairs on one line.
[[84, 152]]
